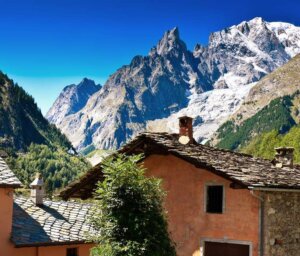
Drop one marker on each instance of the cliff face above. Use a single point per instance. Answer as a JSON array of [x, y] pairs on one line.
[[71, 100]]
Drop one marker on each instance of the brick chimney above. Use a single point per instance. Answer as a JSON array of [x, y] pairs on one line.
[[186, 129], [284, 157], [37, 190]]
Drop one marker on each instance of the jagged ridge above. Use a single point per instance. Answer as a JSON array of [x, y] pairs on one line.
[[172, 79]]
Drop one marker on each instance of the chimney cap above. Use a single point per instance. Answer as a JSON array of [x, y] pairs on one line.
[[185, 117], [38, 181], [284, 157]]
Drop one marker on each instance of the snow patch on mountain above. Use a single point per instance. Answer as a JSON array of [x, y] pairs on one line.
[[288, 35], [209, 110]]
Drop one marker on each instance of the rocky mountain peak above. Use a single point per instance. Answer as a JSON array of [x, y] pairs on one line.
[[257, 21], [87, 84], [170, 41], [72, 98]]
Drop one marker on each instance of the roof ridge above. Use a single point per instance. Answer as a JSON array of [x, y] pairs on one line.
[[238, 167]]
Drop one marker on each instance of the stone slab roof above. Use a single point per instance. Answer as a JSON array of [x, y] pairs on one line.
[[53, 223], [7, 177], [243, 170]]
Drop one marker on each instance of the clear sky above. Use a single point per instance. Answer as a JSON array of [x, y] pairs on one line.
[[48, 44]]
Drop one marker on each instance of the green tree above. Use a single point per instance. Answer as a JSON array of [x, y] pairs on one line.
[[57, 166], [128, 217]]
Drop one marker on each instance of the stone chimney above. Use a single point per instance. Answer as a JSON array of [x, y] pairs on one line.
[[284, 157], [37, 190], [185, 129]]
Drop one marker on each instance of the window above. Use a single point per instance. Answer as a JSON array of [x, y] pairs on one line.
[[214, 198], [72, 251]]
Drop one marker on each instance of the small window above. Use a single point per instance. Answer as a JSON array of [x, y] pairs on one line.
[[72, 251], [214, 199]]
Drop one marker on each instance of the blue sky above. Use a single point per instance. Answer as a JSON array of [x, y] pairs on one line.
[[46, 45]]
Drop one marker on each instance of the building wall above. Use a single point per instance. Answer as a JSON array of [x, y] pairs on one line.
[[83, 250], [189, 224], [6, 208], [281, 223]]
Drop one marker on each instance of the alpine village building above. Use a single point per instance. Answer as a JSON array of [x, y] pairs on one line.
[[37, 227], [219, 203]]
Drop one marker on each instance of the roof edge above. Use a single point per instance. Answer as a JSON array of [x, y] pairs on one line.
[[276, 189], [51, 244], [11, 186]]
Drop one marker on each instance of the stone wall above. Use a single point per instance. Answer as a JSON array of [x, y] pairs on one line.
[[281, 223]]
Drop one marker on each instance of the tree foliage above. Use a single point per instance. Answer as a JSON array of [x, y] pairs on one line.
[[57, 166], [129, 218], [264, 144]]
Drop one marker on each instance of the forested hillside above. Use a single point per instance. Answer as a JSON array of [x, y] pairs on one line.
[[264, 144], [21, 121], [57, 166], [279, 115], [33, 144]]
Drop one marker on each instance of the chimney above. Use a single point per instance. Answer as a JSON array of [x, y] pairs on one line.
[[284, 157], [185, 130], [37, 190]]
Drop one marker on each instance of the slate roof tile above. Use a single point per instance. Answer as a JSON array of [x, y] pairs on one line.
[[49, 223], [242, 169], [7, 177]]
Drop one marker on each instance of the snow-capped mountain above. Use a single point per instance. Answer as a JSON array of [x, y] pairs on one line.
[[208, 84], [72, 99], [242, 55]]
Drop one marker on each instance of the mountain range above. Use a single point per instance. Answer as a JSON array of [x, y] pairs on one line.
[[209, 83]]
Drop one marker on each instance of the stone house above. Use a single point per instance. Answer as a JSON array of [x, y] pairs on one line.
[[38, 227], [219, 203]]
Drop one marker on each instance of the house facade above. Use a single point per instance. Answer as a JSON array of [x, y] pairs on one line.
[[219, 203], [37, 227]]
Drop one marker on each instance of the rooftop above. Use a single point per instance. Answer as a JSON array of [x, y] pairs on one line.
[[243, 170], [7, 177], [53, 223]]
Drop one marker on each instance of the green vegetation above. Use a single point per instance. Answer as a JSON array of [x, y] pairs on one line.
[[278, 116], [129, 218], [56, 165], [34, 145], [264, 144], [21, 121], [88, 150]]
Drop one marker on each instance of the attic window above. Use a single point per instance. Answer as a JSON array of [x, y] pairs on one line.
[[214, 198], [72, 251]]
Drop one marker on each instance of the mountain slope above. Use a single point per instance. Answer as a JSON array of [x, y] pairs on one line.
[[72, 99], [21, 122], [284, 81], [276, 116], [264, 144], [209, 84]]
